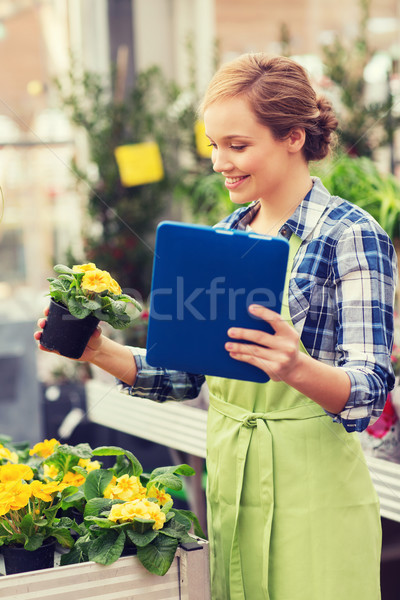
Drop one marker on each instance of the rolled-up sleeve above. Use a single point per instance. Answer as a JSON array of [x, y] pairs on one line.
[[162, 384], [365, 275]]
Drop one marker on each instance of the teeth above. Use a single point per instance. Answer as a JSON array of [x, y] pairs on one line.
[[233, 179]]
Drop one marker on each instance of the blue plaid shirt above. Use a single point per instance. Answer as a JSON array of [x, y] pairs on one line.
[[341, 297]]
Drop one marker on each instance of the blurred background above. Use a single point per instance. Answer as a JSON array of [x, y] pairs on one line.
[[81, 79]]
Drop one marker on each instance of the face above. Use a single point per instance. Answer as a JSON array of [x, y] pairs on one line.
[[255, 165]]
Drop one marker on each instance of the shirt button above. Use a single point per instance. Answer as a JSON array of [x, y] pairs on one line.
[[284, 231]]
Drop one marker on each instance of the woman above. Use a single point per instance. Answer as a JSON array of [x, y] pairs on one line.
[[292, 511]]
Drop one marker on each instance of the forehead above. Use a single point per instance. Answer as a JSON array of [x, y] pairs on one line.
[[231, 117]]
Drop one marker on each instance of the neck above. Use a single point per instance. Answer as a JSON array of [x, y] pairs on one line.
[[281, 204]]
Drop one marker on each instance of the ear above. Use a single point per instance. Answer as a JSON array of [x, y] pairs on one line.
[[296, 139]]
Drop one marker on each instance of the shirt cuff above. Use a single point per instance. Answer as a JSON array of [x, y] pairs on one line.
[[368, 394]]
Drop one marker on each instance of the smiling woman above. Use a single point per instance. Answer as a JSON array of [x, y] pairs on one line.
[[292, 512]]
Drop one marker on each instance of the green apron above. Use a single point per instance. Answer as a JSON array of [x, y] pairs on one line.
[[292, 511]]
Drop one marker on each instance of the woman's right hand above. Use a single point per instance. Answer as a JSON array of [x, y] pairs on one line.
[[103, 352], [92, 348]]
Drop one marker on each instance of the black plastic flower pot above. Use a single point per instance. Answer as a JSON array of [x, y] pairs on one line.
[[65, 333], [18, 560]]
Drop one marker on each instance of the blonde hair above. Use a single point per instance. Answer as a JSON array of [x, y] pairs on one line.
[[281, 97]]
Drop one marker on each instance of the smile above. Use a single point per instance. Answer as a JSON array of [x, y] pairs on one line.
[[232, 182], [235, 179]]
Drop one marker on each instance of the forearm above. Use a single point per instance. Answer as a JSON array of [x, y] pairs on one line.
[[116, 360], [327, 385]]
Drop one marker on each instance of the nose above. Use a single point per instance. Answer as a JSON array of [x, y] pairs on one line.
[[220, 161]]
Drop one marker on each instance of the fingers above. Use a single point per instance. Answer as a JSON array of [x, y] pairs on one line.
[[258, 336], [268, 315]]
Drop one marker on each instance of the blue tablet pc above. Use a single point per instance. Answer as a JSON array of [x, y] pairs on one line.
[[203, 281]]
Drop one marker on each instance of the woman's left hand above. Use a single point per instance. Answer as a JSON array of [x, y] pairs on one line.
[[277, 354]]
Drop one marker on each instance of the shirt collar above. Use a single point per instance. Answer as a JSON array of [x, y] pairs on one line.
[[304, 219], [310, 210]]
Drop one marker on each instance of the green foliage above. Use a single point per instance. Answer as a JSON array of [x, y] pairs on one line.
[[359, 181], [362, 127], [103, 540], [126, 218]]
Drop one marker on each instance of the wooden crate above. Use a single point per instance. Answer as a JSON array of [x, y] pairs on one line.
[[126, 579]]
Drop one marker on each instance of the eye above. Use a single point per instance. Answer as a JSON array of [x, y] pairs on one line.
[[212, 144], [238, 148]]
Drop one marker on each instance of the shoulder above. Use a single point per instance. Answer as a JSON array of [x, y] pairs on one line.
[[343, 220]]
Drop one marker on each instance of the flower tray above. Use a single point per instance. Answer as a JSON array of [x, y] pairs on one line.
[[187, 579]]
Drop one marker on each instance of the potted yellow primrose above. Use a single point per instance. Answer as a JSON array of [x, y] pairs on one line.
[[82, 296], [126, 523], [129, 512], [29, 508]]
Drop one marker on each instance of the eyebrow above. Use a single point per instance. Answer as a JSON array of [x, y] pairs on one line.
[[233, 136]]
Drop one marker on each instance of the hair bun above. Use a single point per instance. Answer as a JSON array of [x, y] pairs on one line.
[[322, 138]]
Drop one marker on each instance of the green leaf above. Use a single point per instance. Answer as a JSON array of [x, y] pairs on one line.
[[63, 537], [142, 525], [80, 450], [79, 552], [73, 498], [96, 482], [196, 524], [157, 556], [176, 528], [96, 506], [141, 539], [136, 467], [167, 507], [65, 522], [107, 548], [66, 278], [90, 304], [167, 476], [34, 542], [57, 285], [126, 298], [27, 525], [100, 521], [63, 269], [76, 309], [117, 321]]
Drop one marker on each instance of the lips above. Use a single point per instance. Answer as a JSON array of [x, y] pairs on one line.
[[233, 182], [235, 179]]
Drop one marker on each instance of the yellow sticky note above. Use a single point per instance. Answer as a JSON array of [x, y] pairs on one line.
[[202, 142], [139, 163]]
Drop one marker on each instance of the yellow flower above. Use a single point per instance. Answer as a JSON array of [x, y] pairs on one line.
[[6, 454], [128, 488], [13, 496], [50, 471], [115, 513], [84, 268], [45, 448], [96, 281], [89, 465], [15, 472], [161, 495], [72, 478], [115, 287], [108, 491], [45, 491], [144, 509]]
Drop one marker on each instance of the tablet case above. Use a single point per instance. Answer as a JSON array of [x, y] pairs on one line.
[[203, 281]]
